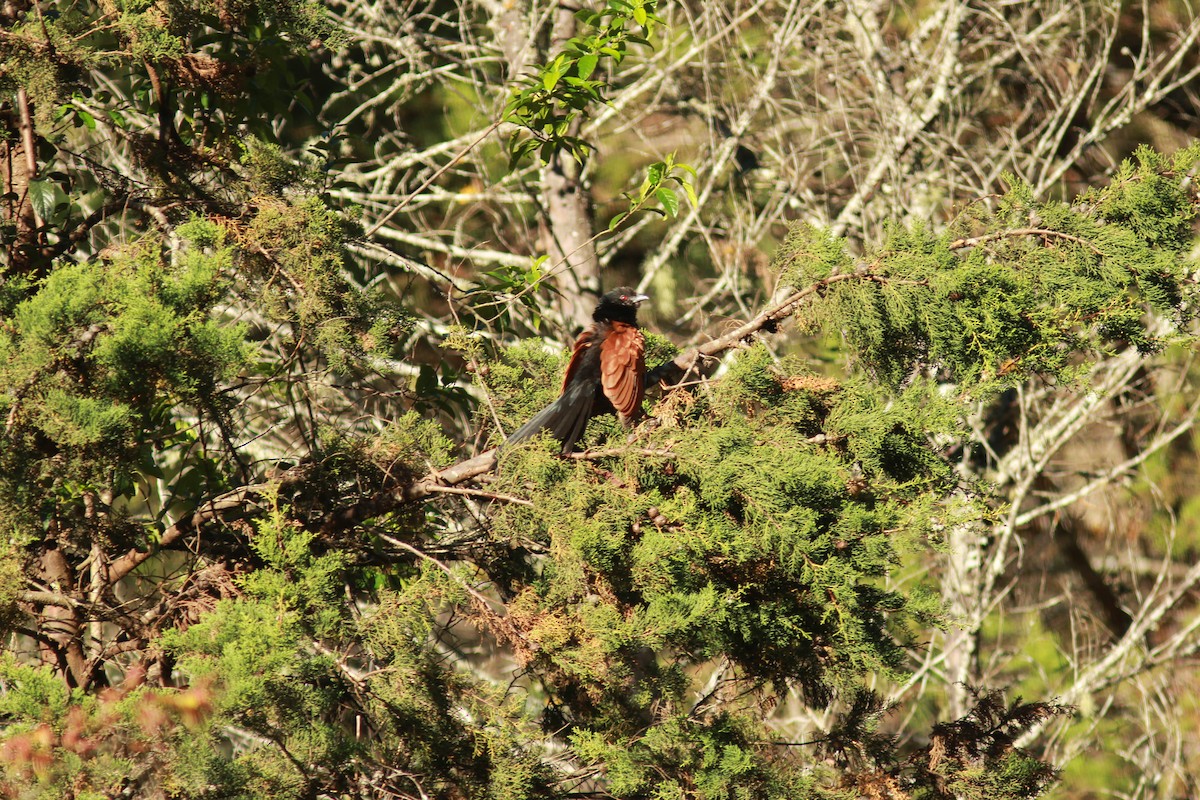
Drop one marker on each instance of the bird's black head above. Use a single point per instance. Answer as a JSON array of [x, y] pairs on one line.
[[620, 305]]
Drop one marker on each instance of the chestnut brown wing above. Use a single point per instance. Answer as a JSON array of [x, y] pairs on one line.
[[623, 368]]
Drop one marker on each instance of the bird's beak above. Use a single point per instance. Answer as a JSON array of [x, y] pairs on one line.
[[638, 299]]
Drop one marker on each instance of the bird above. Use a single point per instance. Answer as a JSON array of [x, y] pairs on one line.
[[606, 373]]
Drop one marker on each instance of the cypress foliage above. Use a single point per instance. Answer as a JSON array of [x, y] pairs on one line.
[[752, 537]]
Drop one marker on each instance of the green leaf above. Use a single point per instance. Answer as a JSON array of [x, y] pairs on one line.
[[519, 150], [44, 196], [654, 174], [669, 201], [534, 273], [617, 220], [579, 150], [587, 65], [639, 15], [691, 193]]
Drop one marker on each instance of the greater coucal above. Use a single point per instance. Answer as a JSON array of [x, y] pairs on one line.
[[606, 373]]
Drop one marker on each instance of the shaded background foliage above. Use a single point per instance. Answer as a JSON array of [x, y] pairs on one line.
[[266, 266]]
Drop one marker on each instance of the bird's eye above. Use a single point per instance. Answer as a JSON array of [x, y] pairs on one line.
[[623, 298]]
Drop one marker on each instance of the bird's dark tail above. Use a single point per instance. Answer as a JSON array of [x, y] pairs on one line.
[[565, 419]]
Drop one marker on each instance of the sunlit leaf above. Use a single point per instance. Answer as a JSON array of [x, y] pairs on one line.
[[587, 65], [669, 201]]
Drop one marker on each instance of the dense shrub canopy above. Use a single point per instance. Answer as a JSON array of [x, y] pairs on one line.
[[278, 277]]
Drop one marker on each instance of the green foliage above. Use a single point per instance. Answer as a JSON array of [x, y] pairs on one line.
[[95, 357], [11, 574], [564, 617], [658, 566], [655, 194], [526, 377], [809, 254], [549, 105], [162, 63], [33, 694], [459, 733], [49, 54], [683, 757], [299, 278], [23, 52], [503, 284], [1041, 284], [443, 723], [296, 577], [251, 650], [1149, 196], [889, 434], [414, 444], [974, 757], [84, 421], [270, 172], [758, 528], [659, 349], [69, 744]]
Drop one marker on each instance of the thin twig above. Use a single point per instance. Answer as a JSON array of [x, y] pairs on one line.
[[487, 602], [959, 244], [505, 498], [459, 156]]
